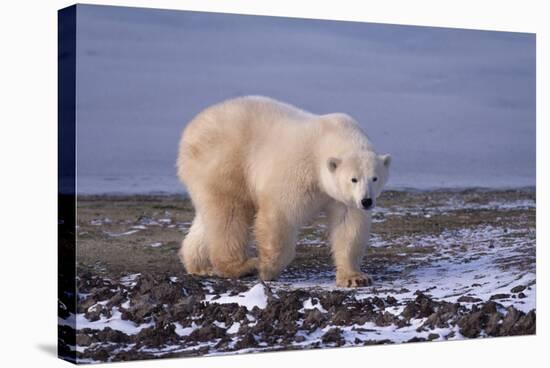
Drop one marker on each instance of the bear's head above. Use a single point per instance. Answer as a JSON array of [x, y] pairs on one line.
[[356, 179]]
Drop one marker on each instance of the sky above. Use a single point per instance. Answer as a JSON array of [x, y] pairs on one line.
[[455, 108]]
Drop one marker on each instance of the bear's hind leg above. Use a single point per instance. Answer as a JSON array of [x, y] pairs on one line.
[[227, 227], [194, 250], [275, 240]]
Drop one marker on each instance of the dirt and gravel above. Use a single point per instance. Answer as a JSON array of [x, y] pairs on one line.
[[445, 264]]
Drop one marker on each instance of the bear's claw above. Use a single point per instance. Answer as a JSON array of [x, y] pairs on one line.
[[354, 280]]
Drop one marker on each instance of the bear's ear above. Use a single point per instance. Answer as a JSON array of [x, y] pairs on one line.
[[386, 160], [333, 163]]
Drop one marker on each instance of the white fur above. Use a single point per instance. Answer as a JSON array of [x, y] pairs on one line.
[[254, 161]]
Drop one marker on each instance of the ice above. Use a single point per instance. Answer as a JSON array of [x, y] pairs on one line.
[[414, 68]]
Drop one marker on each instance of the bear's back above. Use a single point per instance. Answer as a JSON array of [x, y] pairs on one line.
[[245, 120], [227, 134]]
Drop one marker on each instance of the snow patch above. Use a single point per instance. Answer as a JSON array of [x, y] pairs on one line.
[[309, 304], [234, 328], [184, 331], [130, 280], [115, 322], [255, 297]]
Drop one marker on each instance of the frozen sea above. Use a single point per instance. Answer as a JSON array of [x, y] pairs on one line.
[[454, 107]]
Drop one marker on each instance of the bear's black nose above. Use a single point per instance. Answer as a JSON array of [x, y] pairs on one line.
[[367, 203]]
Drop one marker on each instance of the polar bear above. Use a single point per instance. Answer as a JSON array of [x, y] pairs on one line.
[[254, 162]]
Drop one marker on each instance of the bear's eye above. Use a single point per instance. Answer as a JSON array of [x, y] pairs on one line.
[[354, 180], [374, 179]]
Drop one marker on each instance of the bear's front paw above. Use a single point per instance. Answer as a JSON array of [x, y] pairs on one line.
[[356, 279], [268, 274]]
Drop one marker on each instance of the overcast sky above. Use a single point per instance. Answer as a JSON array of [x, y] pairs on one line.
[[453, 107]]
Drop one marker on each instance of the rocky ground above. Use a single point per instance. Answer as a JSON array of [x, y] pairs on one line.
[[445, 264]]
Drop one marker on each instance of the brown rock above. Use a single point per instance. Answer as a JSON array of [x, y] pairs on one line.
[[468, 299], [333, 336], [518, 289], [499, 296], [247, 341]]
